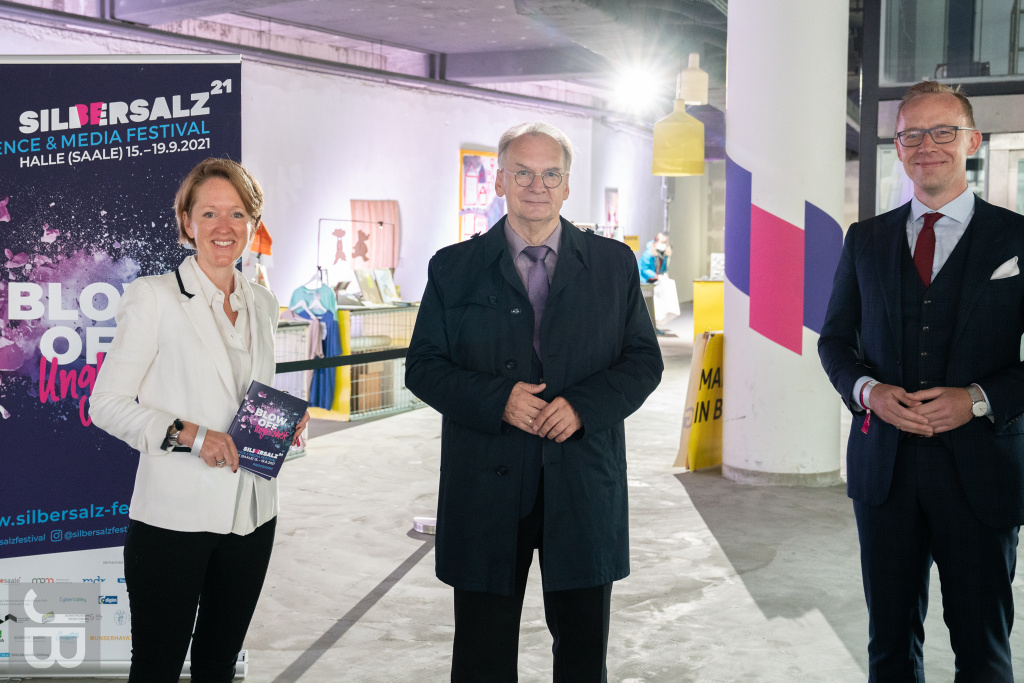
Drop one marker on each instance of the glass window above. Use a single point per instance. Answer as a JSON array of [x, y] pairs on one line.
[[1020, 185], [924, 39]]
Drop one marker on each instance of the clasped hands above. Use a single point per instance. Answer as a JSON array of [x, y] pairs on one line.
[[527, 411], [926, 412]]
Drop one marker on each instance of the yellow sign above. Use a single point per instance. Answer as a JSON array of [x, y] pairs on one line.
[[632, 241], [700, 444]]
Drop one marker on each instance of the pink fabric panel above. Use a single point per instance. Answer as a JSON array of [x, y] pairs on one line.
[[776, 279], [376, 247]]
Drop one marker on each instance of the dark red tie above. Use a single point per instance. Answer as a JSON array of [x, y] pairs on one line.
[[924, 252]]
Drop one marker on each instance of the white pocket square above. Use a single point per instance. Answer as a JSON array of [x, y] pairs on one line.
[[1008, 269]]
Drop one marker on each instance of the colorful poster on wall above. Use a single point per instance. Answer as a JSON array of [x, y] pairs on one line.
[[479, 206], [92, 150], [611, 207]]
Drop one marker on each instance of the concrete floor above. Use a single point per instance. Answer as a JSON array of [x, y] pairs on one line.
[[728, 583]]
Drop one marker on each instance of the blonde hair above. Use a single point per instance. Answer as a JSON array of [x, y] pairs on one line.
[[936, 88], [247, 187]]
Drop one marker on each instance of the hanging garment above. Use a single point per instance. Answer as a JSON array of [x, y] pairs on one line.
[[321, 390], [320, 300]]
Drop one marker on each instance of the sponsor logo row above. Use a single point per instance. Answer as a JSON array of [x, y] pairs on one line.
[[50, 579]]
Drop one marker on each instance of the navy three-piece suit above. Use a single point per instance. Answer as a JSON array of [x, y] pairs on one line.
[[941, 497]]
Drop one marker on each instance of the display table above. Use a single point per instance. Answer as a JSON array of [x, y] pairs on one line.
[[708, 306]]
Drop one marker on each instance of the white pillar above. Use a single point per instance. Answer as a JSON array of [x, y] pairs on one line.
[[785, 142]]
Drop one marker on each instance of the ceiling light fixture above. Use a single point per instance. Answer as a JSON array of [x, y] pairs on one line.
[[679, 137]]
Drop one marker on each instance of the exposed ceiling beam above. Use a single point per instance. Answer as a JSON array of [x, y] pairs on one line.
[[153, 12], [525, 65], [147, 37], [625, 30]]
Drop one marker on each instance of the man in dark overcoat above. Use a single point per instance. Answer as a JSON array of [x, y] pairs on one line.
[[534, 344], [922, 340]]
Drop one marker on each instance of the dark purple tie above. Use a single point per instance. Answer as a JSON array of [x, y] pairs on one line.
[[537, 288], [924, 250]]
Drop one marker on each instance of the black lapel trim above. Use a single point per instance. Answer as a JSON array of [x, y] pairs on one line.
[[181, 285]]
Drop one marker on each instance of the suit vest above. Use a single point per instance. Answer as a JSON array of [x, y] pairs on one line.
[[929, 317]]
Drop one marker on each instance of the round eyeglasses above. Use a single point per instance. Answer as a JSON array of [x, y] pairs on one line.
[[941, 135], [524, 178]]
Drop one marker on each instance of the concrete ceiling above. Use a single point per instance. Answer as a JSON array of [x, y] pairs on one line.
[[494, 40], [581, 44]]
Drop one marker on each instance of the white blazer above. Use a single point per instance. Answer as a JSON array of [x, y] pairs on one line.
[[168, 352]]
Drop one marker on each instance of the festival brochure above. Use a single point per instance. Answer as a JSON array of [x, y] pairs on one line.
[[264, 427]]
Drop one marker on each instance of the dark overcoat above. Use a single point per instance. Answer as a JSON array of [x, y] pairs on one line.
[[862, 335], [472, 343]]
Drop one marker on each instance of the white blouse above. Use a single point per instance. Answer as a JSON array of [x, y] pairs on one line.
[[253, 506]]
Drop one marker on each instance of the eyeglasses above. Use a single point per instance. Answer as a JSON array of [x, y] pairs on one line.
[[912, 137], [524, 178]]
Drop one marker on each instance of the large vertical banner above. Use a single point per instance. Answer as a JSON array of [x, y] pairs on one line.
[[92, 150]]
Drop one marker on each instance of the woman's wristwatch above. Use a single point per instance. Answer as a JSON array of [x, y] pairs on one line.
[[170, 442]]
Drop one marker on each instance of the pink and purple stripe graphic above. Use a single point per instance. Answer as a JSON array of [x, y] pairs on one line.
[[787, 272]]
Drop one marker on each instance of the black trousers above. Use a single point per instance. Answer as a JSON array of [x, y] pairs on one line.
[[486, 647], [926, 517], [169, 574]]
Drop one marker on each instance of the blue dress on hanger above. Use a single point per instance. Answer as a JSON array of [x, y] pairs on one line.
[[324, 305]]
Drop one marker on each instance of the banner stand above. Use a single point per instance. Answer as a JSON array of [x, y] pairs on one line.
[[92, 150]]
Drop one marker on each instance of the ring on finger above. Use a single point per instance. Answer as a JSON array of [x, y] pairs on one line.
[[531, 421], [221, 463]]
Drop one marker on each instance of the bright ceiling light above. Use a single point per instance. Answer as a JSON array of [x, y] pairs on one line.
[[638, 90]]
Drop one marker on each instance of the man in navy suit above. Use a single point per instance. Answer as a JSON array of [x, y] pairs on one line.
[[922, 340]]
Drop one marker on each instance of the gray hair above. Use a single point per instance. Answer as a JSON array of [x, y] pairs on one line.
[[535, 128]]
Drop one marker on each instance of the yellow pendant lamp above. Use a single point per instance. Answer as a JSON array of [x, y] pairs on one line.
[[679, 137]]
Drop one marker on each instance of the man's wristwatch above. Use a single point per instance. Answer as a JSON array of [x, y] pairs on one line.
[[171, 440], [979, 408]]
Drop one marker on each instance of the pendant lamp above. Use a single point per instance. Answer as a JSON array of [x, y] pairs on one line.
[[679, 137]]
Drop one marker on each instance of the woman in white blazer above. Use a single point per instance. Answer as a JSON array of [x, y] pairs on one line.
[[187, 346]]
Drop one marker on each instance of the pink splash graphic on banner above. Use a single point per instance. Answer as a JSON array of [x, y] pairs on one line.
[[47, 318]]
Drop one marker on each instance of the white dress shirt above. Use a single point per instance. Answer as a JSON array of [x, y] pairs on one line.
[[956, 216]]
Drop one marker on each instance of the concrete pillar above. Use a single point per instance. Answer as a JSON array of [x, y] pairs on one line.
[[687, 220], [785, 142]]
